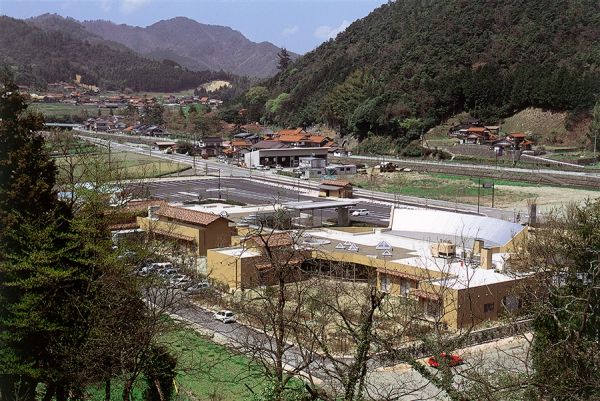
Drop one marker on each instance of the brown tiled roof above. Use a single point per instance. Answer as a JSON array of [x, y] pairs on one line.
[[272, 239], [290, 137], [123, 226], [139, 205], [476, 129], [296, 131], [398, 273], [425, 294], [187, 215], [518, 135], [240, 143], [336, 183]]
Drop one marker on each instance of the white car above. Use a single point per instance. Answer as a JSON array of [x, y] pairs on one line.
[[360, 212], [224, 316]]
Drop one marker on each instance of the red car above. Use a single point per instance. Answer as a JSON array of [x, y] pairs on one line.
[[451, 360]]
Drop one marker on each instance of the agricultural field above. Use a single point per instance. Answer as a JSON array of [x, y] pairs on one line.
[[119, 165], [62, 111], [461, 189]]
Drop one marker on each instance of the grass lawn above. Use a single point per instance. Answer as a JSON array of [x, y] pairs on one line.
[[208, 371], [205, 372], [124, 165]]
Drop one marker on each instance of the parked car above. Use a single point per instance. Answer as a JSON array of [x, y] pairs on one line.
[[360, 212], [179, 278], [197, 287], [451, 360], [225, 316]]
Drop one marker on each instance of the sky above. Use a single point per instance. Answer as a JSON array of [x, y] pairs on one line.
[[298, 25]]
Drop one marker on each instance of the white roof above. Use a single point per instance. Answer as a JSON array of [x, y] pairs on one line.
[[434, 225], [239, 252], [457, 275]]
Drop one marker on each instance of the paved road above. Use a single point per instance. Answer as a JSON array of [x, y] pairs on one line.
[[212, 167]]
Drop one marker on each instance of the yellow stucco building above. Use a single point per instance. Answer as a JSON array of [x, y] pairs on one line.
[[466, 284]]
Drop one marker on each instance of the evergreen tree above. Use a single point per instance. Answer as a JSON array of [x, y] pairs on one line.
[[284, 59], [565, 254], [40, 282]]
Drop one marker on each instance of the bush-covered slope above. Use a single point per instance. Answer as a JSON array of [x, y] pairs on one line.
[[430, 59], [40, 56]]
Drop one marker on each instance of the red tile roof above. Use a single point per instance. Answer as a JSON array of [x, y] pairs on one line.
[[476, 129], [297, 131], [187, 215]]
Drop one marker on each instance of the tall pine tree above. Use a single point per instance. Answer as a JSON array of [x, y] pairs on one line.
[[40, 279]]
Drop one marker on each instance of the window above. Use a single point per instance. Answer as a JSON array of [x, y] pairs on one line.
[[384, 283], [405, 288], [487, 308]]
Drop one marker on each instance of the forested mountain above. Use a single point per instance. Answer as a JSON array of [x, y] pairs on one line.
[[39, 56], [410, 63], [194, 45]]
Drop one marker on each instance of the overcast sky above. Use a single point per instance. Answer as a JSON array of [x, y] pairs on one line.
[[299, 25]]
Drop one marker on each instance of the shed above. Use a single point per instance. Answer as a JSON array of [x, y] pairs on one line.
[[335, 189]]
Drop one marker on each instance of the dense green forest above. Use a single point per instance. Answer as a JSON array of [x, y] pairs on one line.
[[411, 63], [38, 56]]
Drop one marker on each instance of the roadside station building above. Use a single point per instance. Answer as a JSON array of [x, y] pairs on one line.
[[458, 285], [193, 230]]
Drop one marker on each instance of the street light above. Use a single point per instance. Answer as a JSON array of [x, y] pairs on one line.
[[219, 183]]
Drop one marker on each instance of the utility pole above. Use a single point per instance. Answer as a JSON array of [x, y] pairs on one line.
[[219, 183], [478, 192], [194, 153]]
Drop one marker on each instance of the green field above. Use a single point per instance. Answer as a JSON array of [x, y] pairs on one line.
[[205, 371], [444, 187], [61, 110], [117, 165]]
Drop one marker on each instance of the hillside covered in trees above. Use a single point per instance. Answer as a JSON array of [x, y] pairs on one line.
[[38, 56], [411, 63]]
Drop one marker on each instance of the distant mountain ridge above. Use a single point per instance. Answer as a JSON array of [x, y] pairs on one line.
[[194, 45], [50, 48]]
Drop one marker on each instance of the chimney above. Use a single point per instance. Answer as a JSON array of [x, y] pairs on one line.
[[485, 260]]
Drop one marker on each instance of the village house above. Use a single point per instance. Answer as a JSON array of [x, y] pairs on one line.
[[210, 145]]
